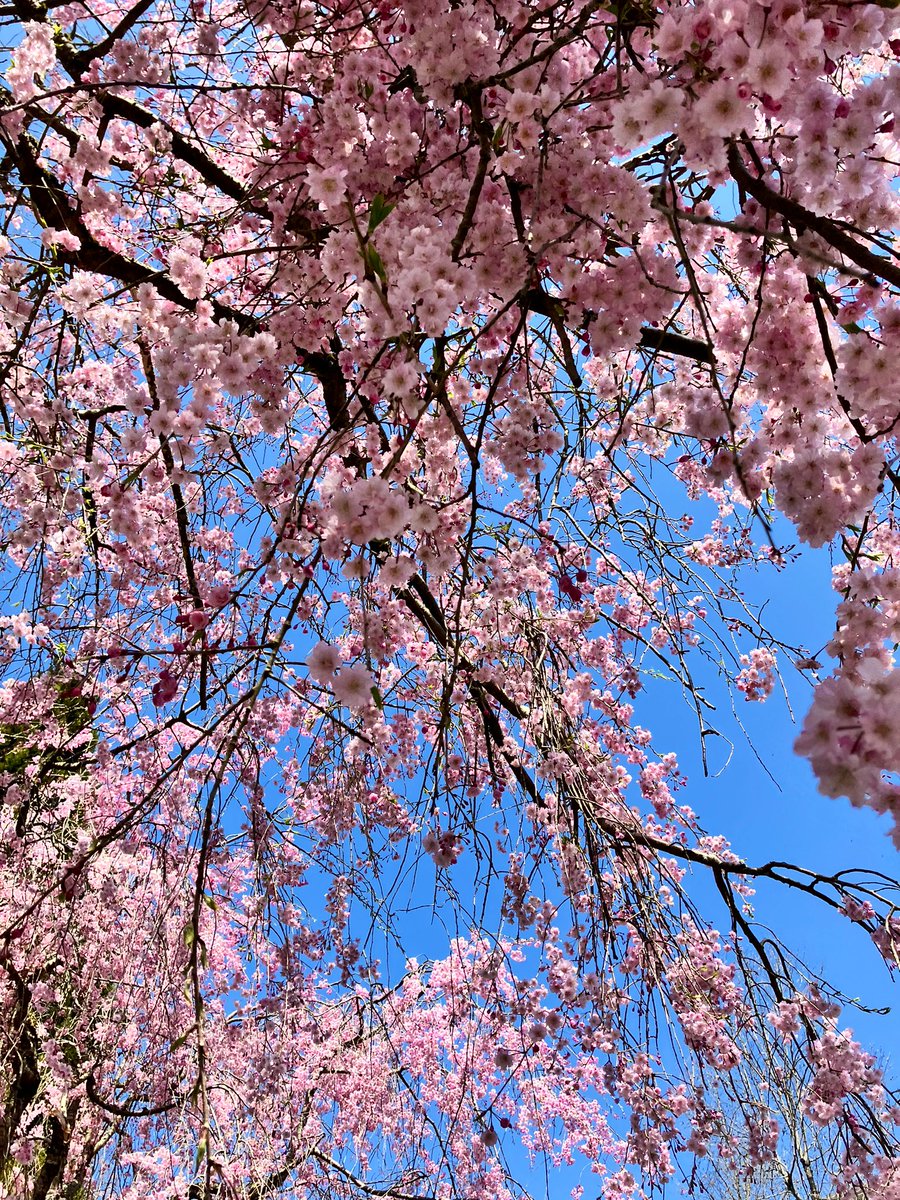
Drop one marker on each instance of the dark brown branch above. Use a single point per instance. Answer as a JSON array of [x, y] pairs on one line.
[[422, 604], [803, 218], [114, 104], [327, 370], [120, 1110], [484, 132], [662, 341], [80, 60], [52, 204], [181, 517]]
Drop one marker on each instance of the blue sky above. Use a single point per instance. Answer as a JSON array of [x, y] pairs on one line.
[[766, 802]]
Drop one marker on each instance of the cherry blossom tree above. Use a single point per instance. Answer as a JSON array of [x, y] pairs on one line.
[[389, 389]]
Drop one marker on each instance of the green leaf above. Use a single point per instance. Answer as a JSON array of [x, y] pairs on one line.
[[374, 263], [379, 211]]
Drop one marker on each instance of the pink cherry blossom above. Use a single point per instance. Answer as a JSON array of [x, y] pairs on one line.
[[400, 403]]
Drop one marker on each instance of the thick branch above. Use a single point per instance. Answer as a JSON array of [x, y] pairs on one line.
[[823, 227]]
